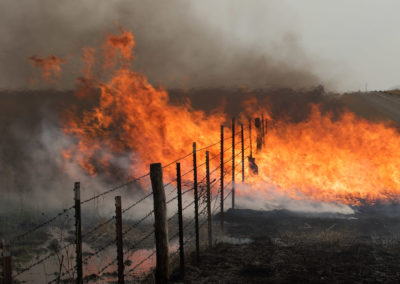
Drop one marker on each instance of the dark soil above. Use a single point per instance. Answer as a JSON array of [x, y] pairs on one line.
[[295, 248]]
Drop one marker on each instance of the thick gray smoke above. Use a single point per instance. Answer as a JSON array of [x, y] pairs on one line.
[[179, 43]]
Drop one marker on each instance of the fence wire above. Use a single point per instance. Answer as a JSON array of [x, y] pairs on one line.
[[138, 222]]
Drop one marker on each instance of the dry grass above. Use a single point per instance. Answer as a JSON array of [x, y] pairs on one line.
[[394, 92]]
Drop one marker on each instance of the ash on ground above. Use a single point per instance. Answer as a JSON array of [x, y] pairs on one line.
[[289, 247]]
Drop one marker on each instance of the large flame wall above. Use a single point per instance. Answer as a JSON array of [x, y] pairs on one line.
[[342, 159]]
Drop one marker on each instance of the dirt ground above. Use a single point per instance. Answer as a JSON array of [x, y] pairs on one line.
[[295, 248]]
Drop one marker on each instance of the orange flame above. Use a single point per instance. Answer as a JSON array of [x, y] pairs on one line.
[[134, 117], [50, 66], [346, 159], [122, 44], [350, 159]]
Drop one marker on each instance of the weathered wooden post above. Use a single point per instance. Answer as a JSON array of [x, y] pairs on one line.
[[196, 202], [160, 224], [242, 136], [78, 233], [6, 256], [120, 244], [222, 179], [208, 199], [233, 163], [180, 220], [257, 123]]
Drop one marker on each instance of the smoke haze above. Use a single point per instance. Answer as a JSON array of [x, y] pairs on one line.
[[179, 43]]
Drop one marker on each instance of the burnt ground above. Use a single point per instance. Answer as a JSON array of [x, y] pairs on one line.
[[289, 247]]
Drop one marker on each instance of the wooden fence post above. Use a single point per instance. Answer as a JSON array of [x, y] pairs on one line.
[[6, 256], [257, 124], [160, 224], [196, 203], [222, 179], [120, 245], [208, 199], [242, 136], [233, 162], [78, 233], [180, 220]]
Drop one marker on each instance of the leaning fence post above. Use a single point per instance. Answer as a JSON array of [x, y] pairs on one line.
[[6, 256], [233, 163], [78, 233], [242, 136], [208, 199], [180, 220], [196, 203], [120, 251], [222, 179], [160, 224]]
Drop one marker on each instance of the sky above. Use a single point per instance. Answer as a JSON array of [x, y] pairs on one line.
[[346, 45], [363, 36], [354, 43]]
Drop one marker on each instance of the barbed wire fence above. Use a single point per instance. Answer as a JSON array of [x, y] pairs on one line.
[[139, 239]]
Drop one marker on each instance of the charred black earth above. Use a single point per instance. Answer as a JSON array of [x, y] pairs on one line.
[[285, 247]]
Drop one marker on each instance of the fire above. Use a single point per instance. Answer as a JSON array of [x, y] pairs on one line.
[[134, 121], [122, 44], [344, 159], [350, 160], [50, 66]]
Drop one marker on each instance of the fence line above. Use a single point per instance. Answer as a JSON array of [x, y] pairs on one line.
[[199, 201]]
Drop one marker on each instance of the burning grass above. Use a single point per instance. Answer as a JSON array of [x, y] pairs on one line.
[[311, 150]]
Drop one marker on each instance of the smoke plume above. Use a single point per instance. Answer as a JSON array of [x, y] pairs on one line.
[[179, 43]]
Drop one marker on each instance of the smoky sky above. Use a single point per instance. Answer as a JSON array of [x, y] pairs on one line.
[[180, 44]]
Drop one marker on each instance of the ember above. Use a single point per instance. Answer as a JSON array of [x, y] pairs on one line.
[[50, 66]]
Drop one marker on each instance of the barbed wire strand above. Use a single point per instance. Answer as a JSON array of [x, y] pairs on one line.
[[137, 223], [40, 261], [47, 222], [58, 277], [141, 262]]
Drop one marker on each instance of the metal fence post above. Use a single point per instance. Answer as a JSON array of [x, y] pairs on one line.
[[251, 144], [262, 129], [120, 245], [233, 162], [180, 220], [160, 224], [78, 233], [196, 202], [242, 136], [222, 178], [208, 199], [257, 124]]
